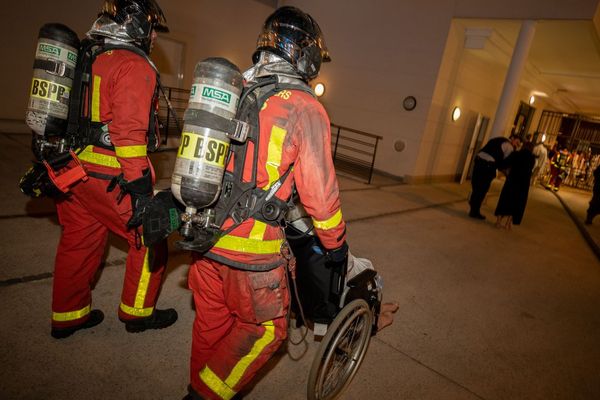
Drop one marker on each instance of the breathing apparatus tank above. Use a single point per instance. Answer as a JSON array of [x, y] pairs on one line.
[[53, 73], [202, 155]]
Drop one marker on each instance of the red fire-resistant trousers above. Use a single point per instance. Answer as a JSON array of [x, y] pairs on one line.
[[86, 217], [240, 322]]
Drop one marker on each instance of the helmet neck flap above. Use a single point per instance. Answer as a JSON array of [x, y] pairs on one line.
[[130, 21]]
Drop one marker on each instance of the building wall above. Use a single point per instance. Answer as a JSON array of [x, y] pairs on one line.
[[382, 50]]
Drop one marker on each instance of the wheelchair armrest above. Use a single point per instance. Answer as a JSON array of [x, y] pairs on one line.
[[362, 278]]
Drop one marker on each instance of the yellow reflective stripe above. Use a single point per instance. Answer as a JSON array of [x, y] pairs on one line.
[[253, 246], [142, 291], [329, 223], [138, 309], [224, 389], [72, 315], [131, 151], [89, 156], [239, 369], [137, 312], [215, 384], [258, 230], [275, 151], [96, 99]]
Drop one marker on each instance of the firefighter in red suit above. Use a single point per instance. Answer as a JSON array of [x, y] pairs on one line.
[[240, 287], [120, 110]]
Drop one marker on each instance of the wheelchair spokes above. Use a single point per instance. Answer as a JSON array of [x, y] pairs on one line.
[[341, 352]]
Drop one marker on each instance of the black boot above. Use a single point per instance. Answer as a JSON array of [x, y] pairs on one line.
[[158, 320], [96, 316], [476, 215]]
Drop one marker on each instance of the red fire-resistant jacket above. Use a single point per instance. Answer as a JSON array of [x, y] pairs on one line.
[[294, 129], [123, 85]]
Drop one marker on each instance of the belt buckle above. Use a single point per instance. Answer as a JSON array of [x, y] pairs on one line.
[[59, 69]]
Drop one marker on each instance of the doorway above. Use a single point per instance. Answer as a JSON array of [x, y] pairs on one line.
[[475, 143], [522, 120]]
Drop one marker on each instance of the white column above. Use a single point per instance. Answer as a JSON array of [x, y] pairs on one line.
[[513, 77]]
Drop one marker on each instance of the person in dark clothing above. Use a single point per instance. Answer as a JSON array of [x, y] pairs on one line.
[[513, 198], [594, 208], [492, 157]]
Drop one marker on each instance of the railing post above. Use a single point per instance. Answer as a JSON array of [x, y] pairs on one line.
[[373, 161], [168, 117], [337, 137]]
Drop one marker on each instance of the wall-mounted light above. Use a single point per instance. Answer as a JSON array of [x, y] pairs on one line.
[[543, 138], [456, 113], [319, 89], [531, 100]]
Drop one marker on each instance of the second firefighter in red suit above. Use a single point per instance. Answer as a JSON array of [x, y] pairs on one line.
[[240, 287], [123, 87]]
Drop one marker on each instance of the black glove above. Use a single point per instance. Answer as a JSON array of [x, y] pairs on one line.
[[338, 255], [140, 191], [161, 217], [37, 183], [337, 260]]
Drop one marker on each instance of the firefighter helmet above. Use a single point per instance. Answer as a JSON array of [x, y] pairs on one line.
[[296, 37], [130, 21]]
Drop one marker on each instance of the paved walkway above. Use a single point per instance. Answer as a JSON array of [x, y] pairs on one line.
[[484, 313]]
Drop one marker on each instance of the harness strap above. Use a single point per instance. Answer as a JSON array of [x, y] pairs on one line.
[[54, 67]]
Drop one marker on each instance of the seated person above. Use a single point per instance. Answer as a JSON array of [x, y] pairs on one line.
[[320, 281]]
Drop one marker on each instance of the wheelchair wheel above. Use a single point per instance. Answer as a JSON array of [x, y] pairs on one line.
[[341, 351]]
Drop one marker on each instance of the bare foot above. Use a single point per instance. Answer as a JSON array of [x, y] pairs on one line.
[[386, 315]]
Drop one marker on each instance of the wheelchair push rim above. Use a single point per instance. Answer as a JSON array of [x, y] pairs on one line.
[[341, 351]]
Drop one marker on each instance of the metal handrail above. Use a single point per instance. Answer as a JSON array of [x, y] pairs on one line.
[[354, 150]]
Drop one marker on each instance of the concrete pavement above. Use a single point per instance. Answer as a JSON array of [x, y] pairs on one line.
[[484, 313]]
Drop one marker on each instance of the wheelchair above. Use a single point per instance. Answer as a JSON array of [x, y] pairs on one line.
[[347, 307]]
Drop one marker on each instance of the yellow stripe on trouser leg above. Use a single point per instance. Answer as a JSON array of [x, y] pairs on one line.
[[72, 315], [140, 297], [215, 384], [225, 388]]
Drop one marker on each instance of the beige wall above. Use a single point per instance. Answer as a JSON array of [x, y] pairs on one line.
[[226, 28], [382, 51], [465, 81]]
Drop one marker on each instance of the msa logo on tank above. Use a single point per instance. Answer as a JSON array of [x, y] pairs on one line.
[[209, 95], [48, 50], [206, 155]]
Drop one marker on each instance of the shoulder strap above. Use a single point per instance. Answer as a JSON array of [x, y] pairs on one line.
[[241, 199], [81, 85]]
